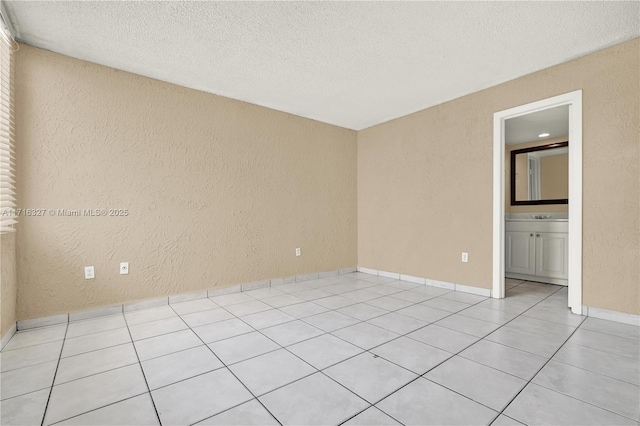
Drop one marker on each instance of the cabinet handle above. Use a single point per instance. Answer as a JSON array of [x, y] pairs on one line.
[[531, 235], [537, 235]]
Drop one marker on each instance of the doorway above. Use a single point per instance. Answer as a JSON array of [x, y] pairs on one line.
[[574, 102]]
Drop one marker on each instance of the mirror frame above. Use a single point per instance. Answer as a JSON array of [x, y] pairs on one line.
[[513, 176]]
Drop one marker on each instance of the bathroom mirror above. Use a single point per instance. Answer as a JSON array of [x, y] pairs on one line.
[[540, 175]]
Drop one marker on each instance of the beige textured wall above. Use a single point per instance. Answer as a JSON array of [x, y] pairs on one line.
[[8, 282], [546, 208], [219, 192], [425, 180]]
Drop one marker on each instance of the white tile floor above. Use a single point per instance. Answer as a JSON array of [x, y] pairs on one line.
[[353, 349]]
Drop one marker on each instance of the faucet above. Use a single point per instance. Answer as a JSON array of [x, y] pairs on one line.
[[541, 216]]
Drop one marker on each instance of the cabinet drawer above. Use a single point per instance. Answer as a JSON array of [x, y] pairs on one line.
[[537, 226]]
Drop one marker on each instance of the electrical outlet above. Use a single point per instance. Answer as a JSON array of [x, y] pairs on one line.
[[297, 251], [465, 257], [124, 268], [89, 273]]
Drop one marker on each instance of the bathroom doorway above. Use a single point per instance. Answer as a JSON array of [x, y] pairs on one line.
[[552, 255]]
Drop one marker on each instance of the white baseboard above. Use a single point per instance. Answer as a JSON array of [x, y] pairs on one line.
[[367, 270], [162, 301], [224, 290], [329, 273], [188, 297], [609, 315], [473, 290], [412, 279], [255, 285], [440, 284], [386, 274], [281, 281], [43, 321], [95, 313], [307, 277], [145, 304], [427, 281], [8, 335]]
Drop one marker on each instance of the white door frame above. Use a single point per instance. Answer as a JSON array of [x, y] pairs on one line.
[[574, 100]]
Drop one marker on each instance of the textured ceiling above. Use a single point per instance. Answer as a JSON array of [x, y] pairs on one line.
[[526, 128], [353, 64]]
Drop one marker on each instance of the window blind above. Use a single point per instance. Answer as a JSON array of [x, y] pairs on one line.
[[7, 136]]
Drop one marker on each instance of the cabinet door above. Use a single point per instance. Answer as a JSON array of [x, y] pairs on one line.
[[520, 252], [552, 252]]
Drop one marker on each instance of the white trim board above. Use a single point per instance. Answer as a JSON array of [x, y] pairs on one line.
[[167, 300], [574, 100], [427, 281], [42, 321], [606, 314], [8, 335], [367, 270]]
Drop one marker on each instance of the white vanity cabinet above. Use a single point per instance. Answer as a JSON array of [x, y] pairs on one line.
[[520, 251], [537, 250]]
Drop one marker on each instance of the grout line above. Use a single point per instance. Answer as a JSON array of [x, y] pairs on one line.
[[358, 321], [596, 372], [456, 354], [31, 346], [95, 374], [631, 339], [581, 400], [103, 406], [548, 359], [364, 350], [283, 347], [153, 320], [144, 376], [95, 350], [32, 365], [190, 377], [508, 417], [442, 362], [96, 332], [8, 351], [419, 375], [307, 375], [103, 371], [362, 411], [101, 317], [46, 407], [230, 371], [337, 310], [23, 394], [231, 408]]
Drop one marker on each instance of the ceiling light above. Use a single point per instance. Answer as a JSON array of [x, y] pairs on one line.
[[544, 135]]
